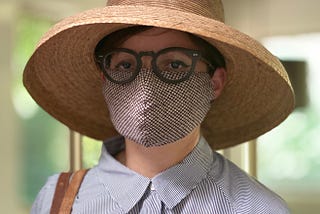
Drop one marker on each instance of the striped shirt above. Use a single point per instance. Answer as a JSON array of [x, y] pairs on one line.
[[204, 182]]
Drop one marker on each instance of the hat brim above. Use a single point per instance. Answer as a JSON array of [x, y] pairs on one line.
[[63, 78]]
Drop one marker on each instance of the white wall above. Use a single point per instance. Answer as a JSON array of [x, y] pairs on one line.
[[260, 18]]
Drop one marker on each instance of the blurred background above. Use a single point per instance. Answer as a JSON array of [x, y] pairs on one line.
[[34, 146]]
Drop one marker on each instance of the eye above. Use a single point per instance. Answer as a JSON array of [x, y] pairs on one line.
[[124, 65], [178, 64]]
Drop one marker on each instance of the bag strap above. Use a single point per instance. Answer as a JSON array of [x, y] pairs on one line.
[[66, 192], [60, 191]]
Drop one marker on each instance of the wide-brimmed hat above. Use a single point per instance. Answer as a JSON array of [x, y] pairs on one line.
[[62, 76]]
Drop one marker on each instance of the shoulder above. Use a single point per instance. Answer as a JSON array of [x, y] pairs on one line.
[[89, 189], [244, 193], [43, 201]]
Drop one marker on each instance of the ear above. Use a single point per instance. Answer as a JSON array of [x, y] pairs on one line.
[[218, 81], [103, 78]]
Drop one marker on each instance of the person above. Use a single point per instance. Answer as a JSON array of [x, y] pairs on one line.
[[164, 84]]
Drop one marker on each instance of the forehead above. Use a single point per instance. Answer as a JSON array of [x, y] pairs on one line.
[[155, 39]]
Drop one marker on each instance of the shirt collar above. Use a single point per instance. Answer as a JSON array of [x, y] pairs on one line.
[[175, 183], [125, 186], [172, 185]]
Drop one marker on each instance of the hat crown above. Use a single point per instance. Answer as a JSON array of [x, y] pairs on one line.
[[212, 9]]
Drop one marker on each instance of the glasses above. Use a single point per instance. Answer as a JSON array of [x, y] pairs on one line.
[[171, 65]]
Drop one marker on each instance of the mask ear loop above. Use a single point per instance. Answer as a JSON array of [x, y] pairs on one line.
[[214, 95]]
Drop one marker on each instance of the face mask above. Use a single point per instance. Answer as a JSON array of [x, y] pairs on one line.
[[151, 112]]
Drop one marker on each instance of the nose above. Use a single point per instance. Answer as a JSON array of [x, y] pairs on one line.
[[146, 62]]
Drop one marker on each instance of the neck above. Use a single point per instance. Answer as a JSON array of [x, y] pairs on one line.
[[150, 161]]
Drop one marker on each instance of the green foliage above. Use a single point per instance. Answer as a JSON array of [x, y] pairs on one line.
[[291, 152], [91, 152], [44, 149]]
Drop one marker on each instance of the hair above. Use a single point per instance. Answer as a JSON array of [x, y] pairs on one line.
[[116, 38]]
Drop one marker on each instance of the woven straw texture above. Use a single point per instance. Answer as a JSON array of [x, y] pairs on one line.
[[62, 77]]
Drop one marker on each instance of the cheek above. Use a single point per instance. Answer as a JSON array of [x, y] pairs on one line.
[[201, 67]]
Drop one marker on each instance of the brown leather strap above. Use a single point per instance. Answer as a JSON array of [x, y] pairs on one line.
[[59, 193], [72, 191]]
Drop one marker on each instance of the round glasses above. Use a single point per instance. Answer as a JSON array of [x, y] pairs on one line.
[[171, 65]]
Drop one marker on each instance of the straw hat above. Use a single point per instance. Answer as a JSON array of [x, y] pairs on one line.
[[62, 77]]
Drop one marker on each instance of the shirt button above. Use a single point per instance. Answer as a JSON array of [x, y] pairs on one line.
[[152, 187]]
